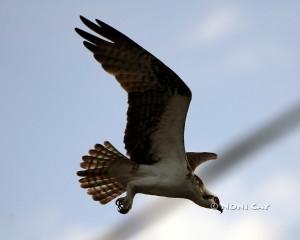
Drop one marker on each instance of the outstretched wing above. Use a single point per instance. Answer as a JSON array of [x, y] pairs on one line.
[[195, 159], [158, 99]]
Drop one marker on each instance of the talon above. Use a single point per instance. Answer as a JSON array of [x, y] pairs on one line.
[[118, 202], [121, 204], [123, 210]]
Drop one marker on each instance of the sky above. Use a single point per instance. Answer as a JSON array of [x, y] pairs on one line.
[[239, 58]]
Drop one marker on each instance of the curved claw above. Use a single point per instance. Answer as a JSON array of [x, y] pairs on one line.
[[123, 210], [121, 204], [118, 202]]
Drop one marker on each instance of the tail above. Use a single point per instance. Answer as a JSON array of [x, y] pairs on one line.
[[96, 178]]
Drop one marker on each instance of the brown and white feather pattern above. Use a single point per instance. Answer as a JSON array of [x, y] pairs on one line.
[[99, 184], [153, 90]]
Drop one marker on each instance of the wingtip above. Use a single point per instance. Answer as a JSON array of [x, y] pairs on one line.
[[79, 32], [86, 21], [82, 18], [212, 156], [99, 22], [90, 46], [81, 173], [103, 24]]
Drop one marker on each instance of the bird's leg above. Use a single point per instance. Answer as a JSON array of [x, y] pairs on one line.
[[142, 185], [124, 204]]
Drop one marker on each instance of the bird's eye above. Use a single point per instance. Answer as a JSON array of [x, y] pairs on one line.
[[216, 200]]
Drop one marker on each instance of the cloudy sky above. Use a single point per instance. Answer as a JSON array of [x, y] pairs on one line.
[[241, 60]]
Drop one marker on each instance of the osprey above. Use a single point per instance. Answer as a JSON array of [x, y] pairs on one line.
[[158, 101]]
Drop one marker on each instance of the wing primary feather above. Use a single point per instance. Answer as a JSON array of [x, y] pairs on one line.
[[111, 33], [103, 29], [89, 36], [92, 25], [93, 48]]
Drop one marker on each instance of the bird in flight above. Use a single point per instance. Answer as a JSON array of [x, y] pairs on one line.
[[158, 102]]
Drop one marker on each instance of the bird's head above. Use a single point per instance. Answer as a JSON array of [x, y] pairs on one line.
[[204, 198]]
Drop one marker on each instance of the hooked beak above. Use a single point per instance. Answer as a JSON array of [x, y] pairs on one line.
[[219, 208]]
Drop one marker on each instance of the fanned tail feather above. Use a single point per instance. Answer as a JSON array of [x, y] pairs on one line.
[[95, 177]]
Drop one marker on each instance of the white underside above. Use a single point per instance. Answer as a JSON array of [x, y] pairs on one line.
[[157, 180]]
